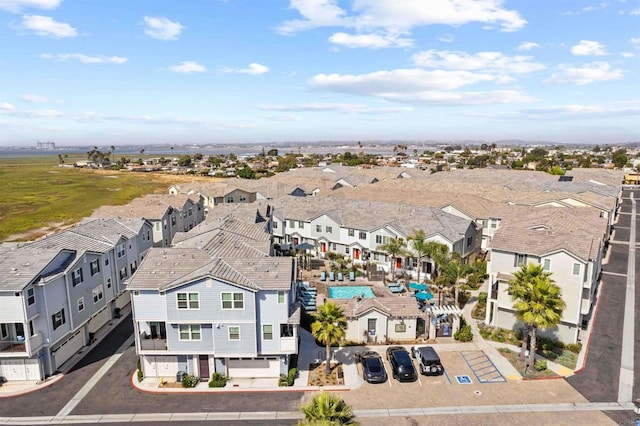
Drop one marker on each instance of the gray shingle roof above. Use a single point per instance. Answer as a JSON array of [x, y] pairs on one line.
[[403, 306]]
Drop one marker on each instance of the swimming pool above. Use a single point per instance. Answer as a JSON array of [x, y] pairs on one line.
[[348, 292]]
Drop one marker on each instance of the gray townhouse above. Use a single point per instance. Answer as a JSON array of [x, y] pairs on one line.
[[216, 302], [56, 292]]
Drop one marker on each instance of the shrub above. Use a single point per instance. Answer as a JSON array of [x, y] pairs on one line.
[[574, 347], [190, 381], [464, 334], [139, 373], [541, 365], [482, 297], [218, 380], [283, 380], [546, 344]]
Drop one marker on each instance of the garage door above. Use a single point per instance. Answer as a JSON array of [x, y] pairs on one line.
[[253, 367], [68, 348], [100, 319], [166, 366], [20, 369], [33, 369]]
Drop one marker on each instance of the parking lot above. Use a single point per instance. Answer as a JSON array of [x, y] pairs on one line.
[[460, 368]]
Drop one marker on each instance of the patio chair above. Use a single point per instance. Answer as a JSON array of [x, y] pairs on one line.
[[352, 276], [323, 276], [332, 276], [340, 277]]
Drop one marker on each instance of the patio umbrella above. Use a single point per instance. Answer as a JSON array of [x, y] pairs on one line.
[[418, 287], [305, 246], [424, 295]]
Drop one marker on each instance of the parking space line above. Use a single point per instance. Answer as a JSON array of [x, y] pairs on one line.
[[491, 376], [447, 375]]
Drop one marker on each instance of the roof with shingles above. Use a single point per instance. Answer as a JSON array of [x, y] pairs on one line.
[[401, 306], [167, 268], [19, 266], [544, 230]]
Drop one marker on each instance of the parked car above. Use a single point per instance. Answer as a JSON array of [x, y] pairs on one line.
[[428, 360], [372, 367], [401, 365]]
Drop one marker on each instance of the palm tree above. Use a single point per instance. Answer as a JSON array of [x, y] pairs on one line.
[[453, 271], [329, 327], [326, 409], [437, 252], [537, 301], [395, 248], [419, 245]]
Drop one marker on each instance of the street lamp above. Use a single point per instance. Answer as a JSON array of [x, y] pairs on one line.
[[440, 287]]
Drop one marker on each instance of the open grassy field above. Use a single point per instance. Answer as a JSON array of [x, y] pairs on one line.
[[39, 197]]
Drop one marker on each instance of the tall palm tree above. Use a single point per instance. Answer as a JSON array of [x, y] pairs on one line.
[[518, 287], [537, 302], [452, 271], [437, 252], [326, 409], [419, 246], [395, 248], [329, 327]]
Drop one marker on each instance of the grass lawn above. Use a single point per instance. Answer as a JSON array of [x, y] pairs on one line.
[[562, 356], [39, 195], [531, 373]]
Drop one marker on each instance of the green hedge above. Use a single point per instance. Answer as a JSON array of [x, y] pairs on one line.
[[218, 380]]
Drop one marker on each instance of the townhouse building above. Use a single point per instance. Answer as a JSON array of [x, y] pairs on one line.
[[569, 243], [357, 229], [56, 292], [216, 302]]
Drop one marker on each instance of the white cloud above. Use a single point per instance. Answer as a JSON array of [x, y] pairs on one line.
[[487, 61], [347, 108], [635, 12], [284, 117], [447, 38], [578, 112], [527, 45], [187, 67], [86, 59], [17, 6], [46, 26], [253, 69], [628, 54], [400, 14], [34, 99], [162, 28], [588, 48], [635, 42], [586, 74], [374, 41], [6, 106]]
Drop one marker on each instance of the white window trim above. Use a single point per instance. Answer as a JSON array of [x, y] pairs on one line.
[[573, 268], [264, 338], [33, 293], [190, 339], [79, 302], [97, 291], [232, 308], [284, 297], [229, 333], [543, 264], [188, 308]]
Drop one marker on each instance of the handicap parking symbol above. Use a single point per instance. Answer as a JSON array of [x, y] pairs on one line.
[[464, 380]]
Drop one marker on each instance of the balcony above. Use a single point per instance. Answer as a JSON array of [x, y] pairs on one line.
[[13, 346], [149, 344]]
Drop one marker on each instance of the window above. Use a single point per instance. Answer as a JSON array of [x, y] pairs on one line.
[[401, 328], [281, 297], [173, 221], [376, 256], [188, 300], [286, 330], [351, 232], [31, 296], [232, 300], [148, 233], [94, 267], [371, 325], [121, 250], [234, 333], [291, 224], [32, 329], [133, 266], [4, 331], [494, 223], [329, 229], [318, 228], [123, 273], [97, 294], [230, 199], [106, 262], [190, 212], [275, 225], [190, 332], [469, 240], [76, 276], [58, 319], [81, 304], [363, 235], [546, 264], [380, 239], [108, 282], [300, 224], [243, 198], [346, 250], [520, 259], [267, 332], [576, 269]]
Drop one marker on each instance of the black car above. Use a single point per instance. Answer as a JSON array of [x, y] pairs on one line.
[[372, 367], [401, 364]]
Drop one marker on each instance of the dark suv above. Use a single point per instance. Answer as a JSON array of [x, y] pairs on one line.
[[428, 360], [401, 366], [372, 367]]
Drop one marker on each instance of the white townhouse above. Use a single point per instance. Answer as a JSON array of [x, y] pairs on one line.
[[567, 242], [56, 292], [217, 302], [356, 228]]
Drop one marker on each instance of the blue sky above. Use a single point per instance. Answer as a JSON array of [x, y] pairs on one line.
[[112, 72]]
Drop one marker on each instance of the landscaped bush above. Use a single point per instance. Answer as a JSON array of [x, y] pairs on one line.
[[573, 347], [288, 379], [464, 334], [139, 373], [190, 381], [541, 365], [218, 380]]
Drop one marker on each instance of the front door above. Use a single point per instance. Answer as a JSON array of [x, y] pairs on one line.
[[323, 247], [203, 362], [356, 254]]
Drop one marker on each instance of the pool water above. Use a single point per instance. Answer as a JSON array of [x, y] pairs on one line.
[[349, 292]]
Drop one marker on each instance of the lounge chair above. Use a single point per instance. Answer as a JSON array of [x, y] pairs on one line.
[[352, 276], [340, 277], [323, 276], [305, 286], [332, 276]]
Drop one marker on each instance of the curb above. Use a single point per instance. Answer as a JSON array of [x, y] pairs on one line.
[[35, 388]]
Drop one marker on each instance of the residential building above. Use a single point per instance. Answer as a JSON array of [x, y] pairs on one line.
[[56, 292]]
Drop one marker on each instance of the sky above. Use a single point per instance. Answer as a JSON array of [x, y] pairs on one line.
[[135, 72]]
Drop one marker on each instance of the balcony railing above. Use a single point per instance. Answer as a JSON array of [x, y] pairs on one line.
[[8, 346], [148, 344]]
